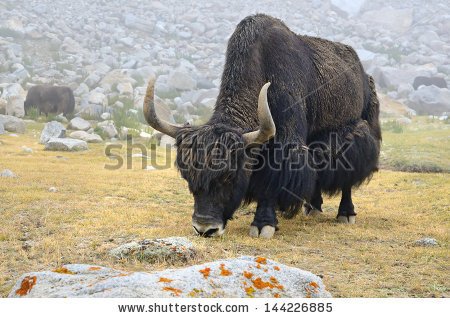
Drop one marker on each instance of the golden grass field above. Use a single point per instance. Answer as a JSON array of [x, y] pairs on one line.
[[96, 209]]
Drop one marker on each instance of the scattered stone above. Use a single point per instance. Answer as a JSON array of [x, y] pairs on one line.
[[108, 128], [27, 149], [169, 249], [7, 174], [52, 189], [12, 124], [181, 81], [245, 276], [82, 135], [426, 241], [79, 123], [52, 129], [2, 128], [66, 144]]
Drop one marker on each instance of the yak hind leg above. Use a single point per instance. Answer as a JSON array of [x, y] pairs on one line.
[[346, 212], [314, 207], [265, 222]]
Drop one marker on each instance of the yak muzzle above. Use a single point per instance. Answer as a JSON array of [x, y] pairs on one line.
[[207, 226]]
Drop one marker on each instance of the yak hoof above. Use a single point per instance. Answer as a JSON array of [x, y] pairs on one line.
[[351, 219], [254, 232], [267, 232]]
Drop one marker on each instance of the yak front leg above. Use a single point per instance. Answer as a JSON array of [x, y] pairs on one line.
[[265, 222]]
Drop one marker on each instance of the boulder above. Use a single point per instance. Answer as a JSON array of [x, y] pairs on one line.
[[181, 81], [245, 276], [397, 21], [108, 128], [430, 100], [347, 8], [52, 129], [98, 98], [125, 89], [82, 135], [12, 124], [15, 107], [65, 144], [167, 141], [2, 128], [169, 249], [78, 123]]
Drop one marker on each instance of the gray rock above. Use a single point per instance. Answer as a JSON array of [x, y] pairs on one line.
[[2, 128], [15, 107], [426, 241], [82, 135], [347, 8], [181, 81], [27, 149], [7, 174], [430, 100], [12, 124], [169, 249], [66, 144], [52, 189], [108, 128], [394, 20], [52, 129], [79, 123], [125, 88], [245, 276], [98, 98]]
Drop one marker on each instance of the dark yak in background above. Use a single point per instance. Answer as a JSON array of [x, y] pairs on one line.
[[50, 99], [319, 98], [428, 81]]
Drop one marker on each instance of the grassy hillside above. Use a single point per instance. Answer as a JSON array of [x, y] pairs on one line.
[[96, 209]]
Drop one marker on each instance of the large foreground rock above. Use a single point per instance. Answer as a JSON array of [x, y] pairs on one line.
[[66, 144], [240, 277], [430, 100], [12, 124], [52, 129]]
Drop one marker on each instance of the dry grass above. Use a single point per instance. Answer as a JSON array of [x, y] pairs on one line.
[[96, 209]]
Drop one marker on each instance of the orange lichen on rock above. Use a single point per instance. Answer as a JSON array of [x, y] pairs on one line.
[[249, 291], [94, 268], [174, 291], [261, 260], [276, 268], [260, 284], [26, 285], [224, 271], [248, 275], [164, 280], [314, 285], [63, 270], [258, 266], [276, 295], [205, 272], [273, 280]]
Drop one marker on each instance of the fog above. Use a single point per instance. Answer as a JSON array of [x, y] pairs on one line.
[[105, 50]]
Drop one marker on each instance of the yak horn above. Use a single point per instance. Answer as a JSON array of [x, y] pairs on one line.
[[266, 125], [150, 113]]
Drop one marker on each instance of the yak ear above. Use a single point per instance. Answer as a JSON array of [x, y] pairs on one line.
[[267, 127], [150, 113]]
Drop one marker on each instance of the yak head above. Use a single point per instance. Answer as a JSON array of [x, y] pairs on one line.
[[212, 159]]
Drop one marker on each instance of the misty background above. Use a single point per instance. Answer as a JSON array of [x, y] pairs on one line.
[[107, 50]]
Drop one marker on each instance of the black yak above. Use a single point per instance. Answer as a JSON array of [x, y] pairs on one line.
[[314, 130], [50, 99]]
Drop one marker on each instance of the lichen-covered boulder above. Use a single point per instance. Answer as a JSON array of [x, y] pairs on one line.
[[246, 276], [52, 129], [170, 249]]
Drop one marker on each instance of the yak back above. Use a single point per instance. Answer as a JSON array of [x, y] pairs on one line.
[[317, 85]]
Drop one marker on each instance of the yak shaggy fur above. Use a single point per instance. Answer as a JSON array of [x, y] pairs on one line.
[[318, 87], [50, 99]]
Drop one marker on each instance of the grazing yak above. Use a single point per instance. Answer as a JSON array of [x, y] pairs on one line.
[[296, 117], [50, 99]]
